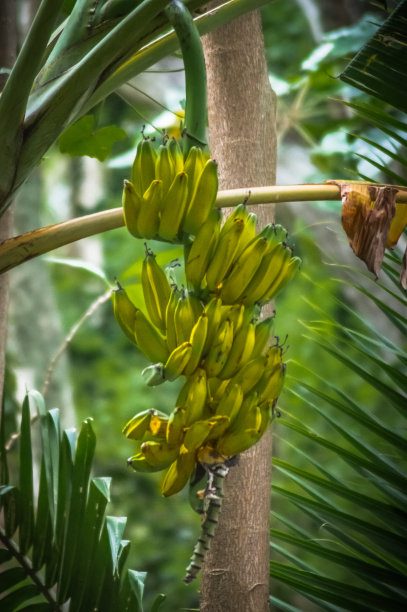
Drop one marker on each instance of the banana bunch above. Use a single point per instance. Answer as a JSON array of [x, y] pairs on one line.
[[169, 197], [237, 264]]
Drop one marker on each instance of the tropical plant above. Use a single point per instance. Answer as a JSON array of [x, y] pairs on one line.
[[57, 545]]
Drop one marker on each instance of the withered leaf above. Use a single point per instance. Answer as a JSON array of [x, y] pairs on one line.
[[367, 212]]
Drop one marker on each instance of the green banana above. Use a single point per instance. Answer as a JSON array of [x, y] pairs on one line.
[[156, 290], [231, 402], [184, 319], [125, 312], [149, 340], [132, 203], [249, 415], [148, 218], [196, 435], [274, 261], [224, 255], [213, 311], [164, 168], [240, 353], [219, 352], [153, 375], [196, 395], [176, 155], [203, 247], [177, 361], [197, 340], [270, 385], [243, 271], [159, 454], [203, 199], [135, 176], [194, 165], [138, 425], [175, 426], [263, 331], [234, 443], [249, 374], [158, 425], [287, 272], [139, 463], [178, 474], [170, 319], [174, 207], [148, 158]]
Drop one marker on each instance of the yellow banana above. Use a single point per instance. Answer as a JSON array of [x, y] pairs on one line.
[[197, 340], [214, 312], [184, 319], [138, 425], [148, 219], [195, 400], [158, 425], [236, 315], [170, 320], [174, 207], [287, 272], [202, 249], [263, 334], [149, 340], [132, 203], [219, 352], [156, 290], [175, 426], [231, 402], [224, 255], [240, 352], [178, 474], [139, 463], [125, 312], [203, 198], [243, 271], [164, 168], [177, 361], [159, 454]]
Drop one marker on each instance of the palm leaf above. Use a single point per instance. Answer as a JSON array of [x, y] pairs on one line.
[[61, 547]]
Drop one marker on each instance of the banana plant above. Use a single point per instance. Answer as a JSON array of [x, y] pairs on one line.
[[58, 549], [64, 69]]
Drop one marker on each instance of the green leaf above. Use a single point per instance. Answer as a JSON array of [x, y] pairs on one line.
[[80, 139], [13, 600], [80, 264], [9, 578], [43, 533], [26, 486], [157, 602], [137, 580]]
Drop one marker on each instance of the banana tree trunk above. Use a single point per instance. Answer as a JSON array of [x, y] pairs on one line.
[[8, 52], [243, 141]]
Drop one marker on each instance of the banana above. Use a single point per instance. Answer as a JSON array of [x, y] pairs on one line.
[[243, 271], [170, 319], [240, 352], [184, 319], [158, 425], [153, 375], [196, 435], [203, 198], [269, 270], [156, 290], [196, 396], [177, 361], [176, 154], [148, 218], [234, 443], [164, 168], [207, 455], [178, 474], [270, 385], [175, 426], [149, 340], [287, 272], [218, 391], [202, 250], [124, 312], [139, 463], [263, 334], [249, 374], [132, 203], [159, 454], [194, 165], [248, 233], [135, 176], [219, 352], [265, 412], [231, 402], [148, 158], [249, 415], [224, 255], [197, 340], [219, 424], [174, 207], [138, 425], [214, 312]]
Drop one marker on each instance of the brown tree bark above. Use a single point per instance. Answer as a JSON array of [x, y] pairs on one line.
[[8, 52], [241, 110]]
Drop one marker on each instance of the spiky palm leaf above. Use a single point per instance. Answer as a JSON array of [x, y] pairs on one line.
[[58, 546]]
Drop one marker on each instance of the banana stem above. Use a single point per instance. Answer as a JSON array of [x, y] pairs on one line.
[[19, 249], [195, 74], [215, 493]]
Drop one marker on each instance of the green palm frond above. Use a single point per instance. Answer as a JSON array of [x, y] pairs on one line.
[[346, 479], [57, 545]]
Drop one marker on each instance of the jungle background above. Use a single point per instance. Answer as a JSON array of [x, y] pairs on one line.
[[98, 372]]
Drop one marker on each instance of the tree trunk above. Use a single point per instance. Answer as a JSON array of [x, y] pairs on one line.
[[8, 52], [243, 141]]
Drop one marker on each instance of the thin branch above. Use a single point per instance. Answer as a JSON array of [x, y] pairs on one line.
[[27, 567], [19, 249]]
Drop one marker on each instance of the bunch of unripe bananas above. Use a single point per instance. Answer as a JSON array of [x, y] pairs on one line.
[[207, 331]]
